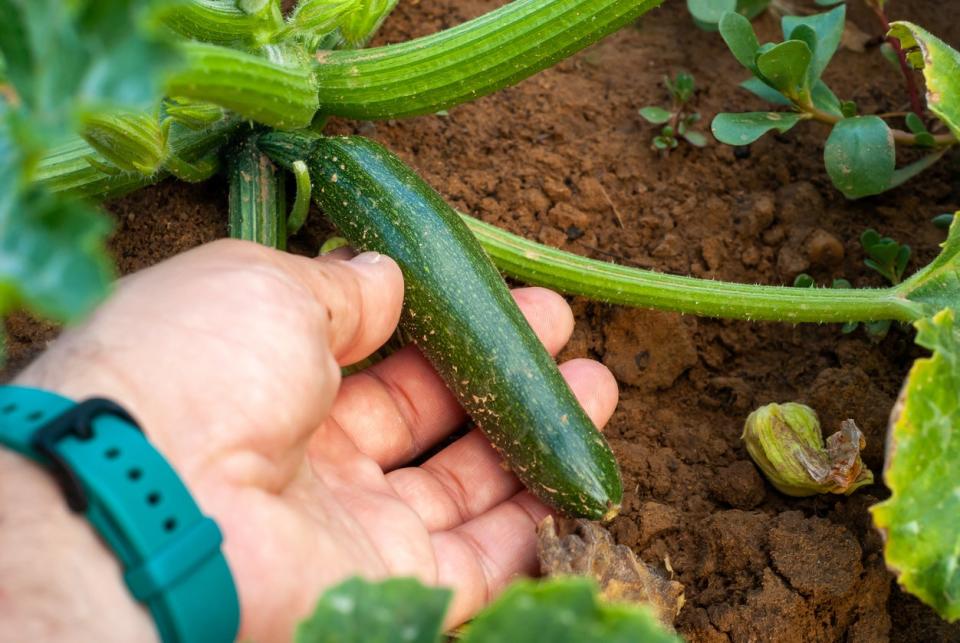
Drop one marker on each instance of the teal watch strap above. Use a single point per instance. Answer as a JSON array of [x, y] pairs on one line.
[[169, 550]]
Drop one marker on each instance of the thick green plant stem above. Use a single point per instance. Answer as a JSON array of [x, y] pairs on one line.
[[67, 168], [283, 96], [257, 199], [222, 22], [541, 265], [463, 63]]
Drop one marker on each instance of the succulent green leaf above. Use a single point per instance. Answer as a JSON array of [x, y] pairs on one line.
[[937, 285], [695, 138], [710, 11], [743, 129], [941, 70], [655, 115], [860, 156], [943, 221], [826, 101], [806, 34], [563, 610], [398, 610], [759, 88], [784, 67], [829, 31], [752, 8], [738, 33], [920, 517], [803, 280]]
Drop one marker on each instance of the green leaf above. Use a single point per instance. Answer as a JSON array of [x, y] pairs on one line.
[[784, 67], [53, 256], [803, 280], [655, 115], [67, 58], [941, 70], [829, 31], [738, 33], [943, 221], [398, 610], [743, 129], [806, 34], [825, 100], [920, 517], [885, 255], [860, 156], [563, 610], [759, 88], [696, 138], [752, 8], [937, 285], [710, 11]]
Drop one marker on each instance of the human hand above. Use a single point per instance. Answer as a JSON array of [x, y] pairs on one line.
[[229, 356]]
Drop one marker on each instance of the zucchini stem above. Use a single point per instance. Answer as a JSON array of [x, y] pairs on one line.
[[474, 59], [572, 274]]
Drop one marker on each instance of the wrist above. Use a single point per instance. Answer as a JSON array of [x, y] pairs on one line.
[[59, 580]]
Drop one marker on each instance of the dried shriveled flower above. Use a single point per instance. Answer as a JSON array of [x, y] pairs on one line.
[[785, 442]]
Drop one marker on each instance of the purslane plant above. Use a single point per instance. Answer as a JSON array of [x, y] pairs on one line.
[[226, 64], [676, 119], [860, 152]]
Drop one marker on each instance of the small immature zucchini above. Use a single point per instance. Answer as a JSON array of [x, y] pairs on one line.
[[460, 313]]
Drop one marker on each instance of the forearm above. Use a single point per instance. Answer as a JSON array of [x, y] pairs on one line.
[[58, 580]]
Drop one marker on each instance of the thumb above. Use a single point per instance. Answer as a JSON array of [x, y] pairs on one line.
[[360, 297]]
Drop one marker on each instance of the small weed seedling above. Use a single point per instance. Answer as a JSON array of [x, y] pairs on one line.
[[676, 121], [885, 256], [860, 152]]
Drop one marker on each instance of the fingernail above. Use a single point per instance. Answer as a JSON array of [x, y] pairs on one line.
[[367, 258]]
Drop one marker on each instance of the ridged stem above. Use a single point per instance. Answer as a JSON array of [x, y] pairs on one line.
[[283, 96], [257, 201], [471, 60], [541, 265]]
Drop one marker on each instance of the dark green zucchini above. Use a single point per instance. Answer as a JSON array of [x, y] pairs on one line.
[[460, 313]]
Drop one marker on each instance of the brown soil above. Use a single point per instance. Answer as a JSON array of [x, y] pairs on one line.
[[564, 158]]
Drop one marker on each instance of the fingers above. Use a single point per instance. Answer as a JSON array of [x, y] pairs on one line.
[[361, 298], [398, 408], [478, 558], [467, 478]]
